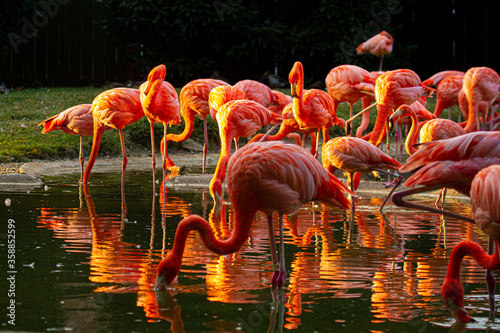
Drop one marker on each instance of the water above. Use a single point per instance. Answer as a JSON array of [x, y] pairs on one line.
[[86, 262]]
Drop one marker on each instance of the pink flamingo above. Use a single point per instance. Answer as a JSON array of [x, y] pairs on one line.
[[485, 202], [379, 45], [266, 176], [76, 120]]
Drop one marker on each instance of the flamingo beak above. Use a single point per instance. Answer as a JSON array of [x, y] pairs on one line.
[[294, 90], [161, 283]]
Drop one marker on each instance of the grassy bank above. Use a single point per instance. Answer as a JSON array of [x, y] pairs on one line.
[[22, 110]]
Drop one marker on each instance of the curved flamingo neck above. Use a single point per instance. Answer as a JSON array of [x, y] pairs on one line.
[[467, 247], [298, 91], [411, 139], [188, 116], [471, 124], [152, 93]]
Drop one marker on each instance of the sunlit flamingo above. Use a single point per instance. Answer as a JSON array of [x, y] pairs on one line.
[[379, 45], [450, 163], [313, 108], [238, 118], [479, 84], [435, 79], [220, 95], [349, 83], [392, 89], [267, 176], [113, 108], [76, 120], [355, 155], [194, 101], [160, 104], [257, 91], [485, 201]]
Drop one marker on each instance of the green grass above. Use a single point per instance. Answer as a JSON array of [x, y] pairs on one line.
[[22, 110]]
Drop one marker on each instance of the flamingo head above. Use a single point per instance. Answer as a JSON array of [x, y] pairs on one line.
[[216, 191], [452, 294], [157, 73], [295, 78], [167, 270], [404, 110]]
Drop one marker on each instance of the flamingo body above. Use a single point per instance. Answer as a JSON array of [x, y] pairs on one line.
[[76, 120]]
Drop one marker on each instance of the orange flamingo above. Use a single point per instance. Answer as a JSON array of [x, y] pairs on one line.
[[160, 104], [392, 89], [313, 109], [479, 84], [266, 176], [450, 163], [349, 83], [113, 108], [256, 91], [447, 93], [238, 118], [485, 202], [435, 79], [352, 155], [220, 95], [281, 100], [194, 101], [76, 120], [379, 45]]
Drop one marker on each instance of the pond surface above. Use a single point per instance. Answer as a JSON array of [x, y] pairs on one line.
[[86, 262]]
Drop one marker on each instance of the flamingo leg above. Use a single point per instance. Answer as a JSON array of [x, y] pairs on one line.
[[282, 271], [205, 144], [490, 283], [350, 120], [124, 153], [397, 182], [272, 249], [317, 145], [353, 200], [153, 162], [82, 161], [270, 131], [304, 137], [163, 174], [397, 198], [381, 61]]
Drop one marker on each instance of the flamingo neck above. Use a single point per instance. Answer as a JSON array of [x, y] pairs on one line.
[[96, 141], [411, 139], [471, 124], [151, 95], [188, 116]]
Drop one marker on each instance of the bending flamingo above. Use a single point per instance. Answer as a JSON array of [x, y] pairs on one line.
[[447, 94], [267, 176], [238, 118], [355, 155], [194, 101], [313, 108], [113, 108], [435, 79], [349, 83], [479, 84], [485, 201], [160, 104], [256, 91], [220, 95], [450, 163], [76, 120], [379, 45], [392, 89]]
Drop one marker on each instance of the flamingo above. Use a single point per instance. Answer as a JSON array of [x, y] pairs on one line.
[[220, 95], [113, 108], [194, 101], [76, 120], [238, 118], [479, 84], [450, 163], [352, 155], [392, 89], [281, 100], [313, 109], [435, 79], [379, 45], [485, 202], [256, 91], [447, 93], [160, 104], [349, 83], [265, 176]]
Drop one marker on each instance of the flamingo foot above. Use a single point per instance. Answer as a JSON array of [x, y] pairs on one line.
[[279, 278]]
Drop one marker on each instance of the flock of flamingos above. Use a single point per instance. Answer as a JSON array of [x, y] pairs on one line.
[[270, 175]]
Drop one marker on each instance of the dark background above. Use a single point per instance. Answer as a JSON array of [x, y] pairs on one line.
[[89, 42]]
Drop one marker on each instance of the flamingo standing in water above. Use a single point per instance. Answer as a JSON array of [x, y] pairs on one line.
[[349, 83], [194, 101], [238, 118], [313, 109], [76, 120], [160, 104], [267, 176], [392, 89], [355, 155], [479, 84], [485, 201], [379, 45], [113, 108]]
